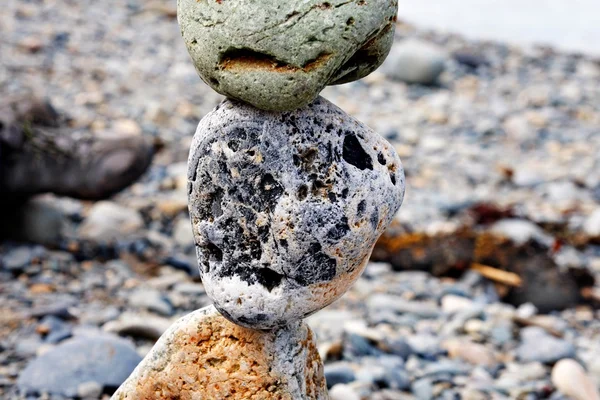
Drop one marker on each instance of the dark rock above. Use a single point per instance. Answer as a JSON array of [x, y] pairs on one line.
[[470, 60], [358, 346], [399, 347], [338, 373], [59, 307]]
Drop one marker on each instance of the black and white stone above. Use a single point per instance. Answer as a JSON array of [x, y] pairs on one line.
[[286, 207]]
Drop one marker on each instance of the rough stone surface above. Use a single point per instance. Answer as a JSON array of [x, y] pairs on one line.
[[203, 355], [278, 55], [105, 360], [286, 207]]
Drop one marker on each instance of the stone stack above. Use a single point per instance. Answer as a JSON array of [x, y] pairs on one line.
[[287, 194]]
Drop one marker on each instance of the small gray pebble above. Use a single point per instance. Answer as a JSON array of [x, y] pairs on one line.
[[539, 346], [336, 373], [415, 61]]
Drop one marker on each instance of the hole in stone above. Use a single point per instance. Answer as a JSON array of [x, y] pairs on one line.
[[269, 278], [234, 145], [213, 362], [214, 81], [214, 253], [302, 192], [393, 178], [215, 206], [374, 219], [350, 21], [354, 153], [339, 230], [271, 190], [381, 159], [361, 208]]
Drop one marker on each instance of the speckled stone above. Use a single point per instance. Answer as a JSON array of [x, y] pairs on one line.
[[286, 207], [278, 55], [204, 356]]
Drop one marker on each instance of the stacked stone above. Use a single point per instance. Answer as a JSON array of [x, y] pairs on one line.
[[287, 194]]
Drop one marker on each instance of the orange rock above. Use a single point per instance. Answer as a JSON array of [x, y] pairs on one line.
[[204, 356]]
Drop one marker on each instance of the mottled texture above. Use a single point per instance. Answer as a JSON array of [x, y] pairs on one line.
[[278, 55], [286, 207], [204, 356]]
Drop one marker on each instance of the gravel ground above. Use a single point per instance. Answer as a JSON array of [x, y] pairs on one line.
[[516, 129]]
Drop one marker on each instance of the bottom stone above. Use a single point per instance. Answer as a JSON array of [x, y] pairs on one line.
[[204, 356]]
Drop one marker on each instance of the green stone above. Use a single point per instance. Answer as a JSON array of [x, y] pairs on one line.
[[277, 54]]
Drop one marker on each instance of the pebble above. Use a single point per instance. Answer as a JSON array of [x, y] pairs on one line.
[[16, 259], [343, 392], [189, 288], [127, 127], [285, 222], [452, 304], [152, 300], [56, 330], [37, 221], [591, 226], [569, 377], [182, 232], [399, 346], [400, 305], [415, 61], [521, 231], [473, 353], [554, 94], [27, 347], [339, 373], [423, 389], [470, 60], [279, 56], [424, 344], [105, 360], [89, 390], [108, 221], [138, 325], [538, 346], [262, 361]]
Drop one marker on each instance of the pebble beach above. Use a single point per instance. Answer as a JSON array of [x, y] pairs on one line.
[[502, 146]]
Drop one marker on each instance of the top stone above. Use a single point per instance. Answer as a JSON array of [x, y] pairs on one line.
[[278, 55]]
